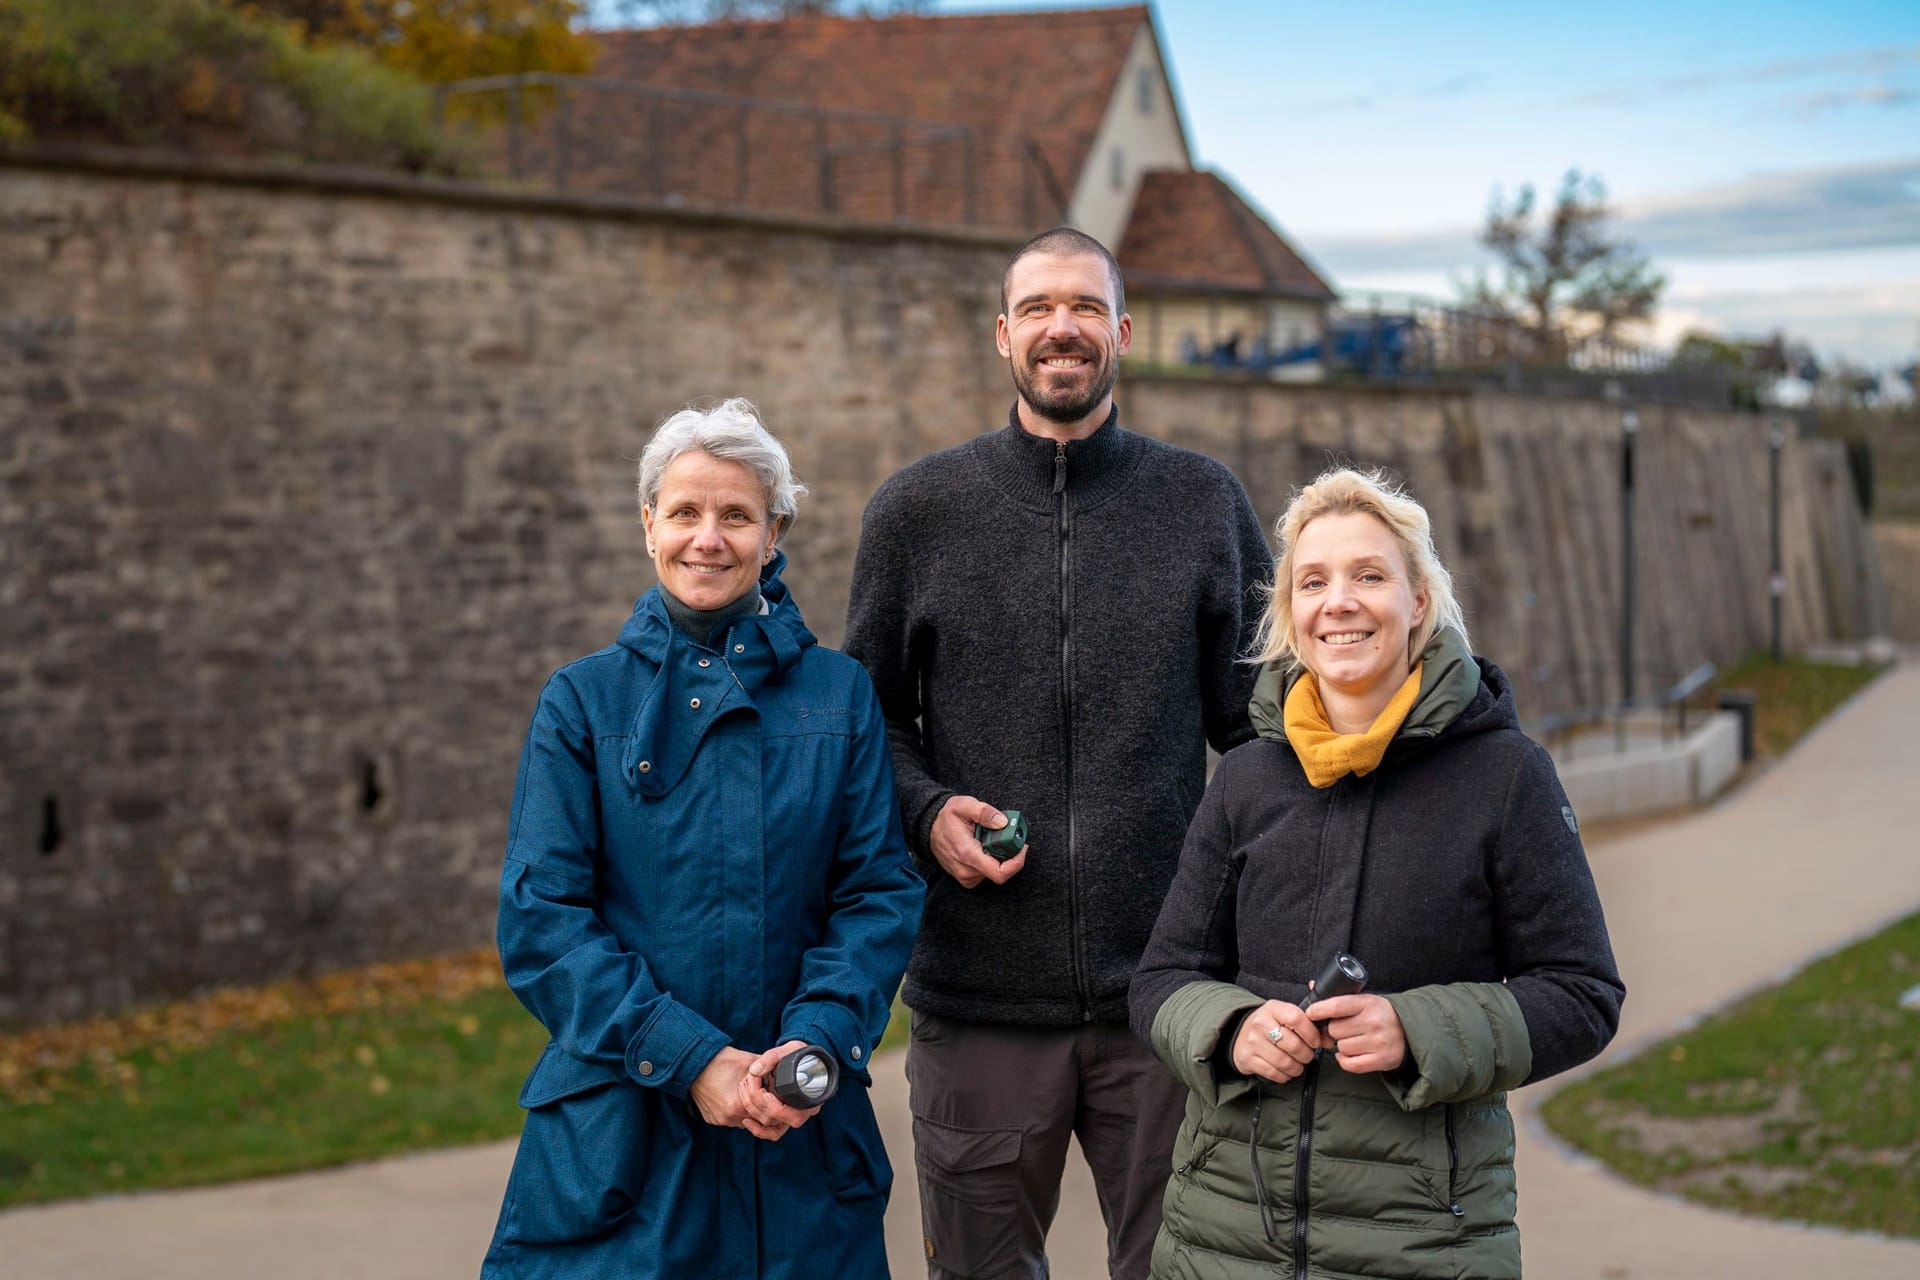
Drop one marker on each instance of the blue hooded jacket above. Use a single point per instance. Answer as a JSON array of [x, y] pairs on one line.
[[704, 851]]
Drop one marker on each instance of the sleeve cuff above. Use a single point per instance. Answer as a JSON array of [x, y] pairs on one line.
[[1188, 1029], [833, 1029], [1464, 1039], [672, 1048], [920, 835]]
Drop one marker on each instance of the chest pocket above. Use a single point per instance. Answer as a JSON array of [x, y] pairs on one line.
[[803, 769]]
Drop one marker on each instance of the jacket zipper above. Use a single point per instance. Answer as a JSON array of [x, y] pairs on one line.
[[1309, 1079], [1065, 537], [1453, 1166]]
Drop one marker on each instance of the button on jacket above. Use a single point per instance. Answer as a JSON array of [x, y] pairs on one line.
[[704, 851]]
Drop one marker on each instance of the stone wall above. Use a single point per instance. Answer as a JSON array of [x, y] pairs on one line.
[[1899, 546], [301, 497], [1525, 497], [305, 485]]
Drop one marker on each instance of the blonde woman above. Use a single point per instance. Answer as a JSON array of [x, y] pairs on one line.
[[1390, 808]]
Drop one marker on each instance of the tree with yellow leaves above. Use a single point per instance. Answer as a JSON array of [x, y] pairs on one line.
[[438, 40]]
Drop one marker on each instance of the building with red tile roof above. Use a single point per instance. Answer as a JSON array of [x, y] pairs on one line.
[[1003, 121], [1207, 273]]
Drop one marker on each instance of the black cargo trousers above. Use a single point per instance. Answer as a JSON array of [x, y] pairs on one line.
[[993, 1108]]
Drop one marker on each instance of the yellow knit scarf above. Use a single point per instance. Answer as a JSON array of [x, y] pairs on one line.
[[1328, 756]]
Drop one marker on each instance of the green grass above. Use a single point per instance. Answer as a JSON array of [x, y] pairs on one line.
[[1801, 1102], [1793, 696], [301, 1092], [896, 1037], [246, 1084]]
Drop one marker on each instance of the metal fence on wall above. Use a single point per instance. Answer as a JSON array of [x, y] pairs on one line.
[[1421, 341], [729, 152]]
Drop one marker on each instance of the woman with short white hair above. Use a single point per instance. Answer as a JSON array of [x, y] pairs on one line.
[[1390, 811], [705, 884]]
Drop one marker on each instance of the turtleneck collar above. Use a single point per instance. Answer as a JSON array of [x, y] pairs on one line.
[[699, 625], [1025, 464]]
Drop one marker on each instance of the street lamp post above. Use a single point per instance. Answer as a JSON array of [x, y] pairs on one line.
[[1629, 430], [1777, 578]]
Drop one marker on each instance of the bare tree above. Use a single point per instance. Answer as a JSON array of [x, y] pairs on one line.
[[688, 12], [1569, 277]]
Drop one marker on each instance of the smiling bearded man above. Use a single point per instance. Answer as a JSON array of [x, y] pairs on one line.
[[1052, 614]]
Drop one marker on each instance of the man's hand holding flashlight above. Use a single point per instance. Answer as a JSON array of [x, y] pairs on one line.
[[957, 849]]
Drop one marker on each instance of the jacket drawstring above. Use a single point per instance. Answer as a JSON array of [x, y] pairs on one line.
[[1260, 1183]]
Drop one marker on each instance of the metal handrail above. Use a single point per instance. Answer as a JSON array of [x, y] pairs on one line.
[[1673, 698]]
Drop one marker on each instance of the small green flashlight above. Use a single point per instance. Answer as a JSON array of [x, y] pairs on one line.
[[1007, 841]]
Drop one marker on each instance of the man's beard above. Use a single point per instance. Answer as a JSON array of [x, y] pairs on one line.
[[1065, 406]]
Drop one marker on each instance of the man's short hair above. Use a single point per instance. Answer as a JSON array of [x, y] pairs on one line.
[[1066, 242]]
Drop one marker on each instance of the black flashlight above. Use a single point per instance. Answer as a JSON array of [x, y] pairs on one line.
[[1343, 976], [804, 1078]]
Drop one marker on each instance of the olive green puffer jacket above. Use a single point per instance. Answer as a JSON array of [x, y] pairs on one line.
[[1431, 1157]]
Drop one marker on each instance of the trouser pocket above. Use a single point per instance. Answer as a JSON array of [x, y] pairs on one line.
[[969, 1198]]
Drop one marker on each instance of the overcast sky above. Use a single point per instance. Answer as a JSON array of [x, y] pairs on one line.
[[1767, 155]]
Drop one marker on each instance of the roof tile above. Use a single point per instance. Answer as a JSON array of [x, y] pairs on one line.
[[1193, 229], [1019, 82]]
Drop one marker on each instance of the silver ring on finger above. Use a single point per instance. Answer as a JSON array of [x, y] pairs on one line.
[[1276, 1034]]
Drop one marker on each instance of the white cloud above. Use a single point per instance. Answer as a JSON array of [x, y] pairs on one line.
[[1857, 207], [1811, 211], [1877, 61], [1874, 324], [1873, 95], [1333, 106]]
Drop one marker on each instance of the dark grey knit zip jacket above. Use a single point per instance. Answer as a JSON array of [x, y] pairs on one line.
[[1055, 631]]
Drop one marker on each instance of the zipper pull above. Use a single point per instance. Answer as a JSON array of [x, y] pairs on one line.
[[1059, 466]]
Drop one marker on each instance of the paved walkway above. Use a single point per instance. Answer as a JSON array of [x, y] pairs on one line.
[[1797, 861]]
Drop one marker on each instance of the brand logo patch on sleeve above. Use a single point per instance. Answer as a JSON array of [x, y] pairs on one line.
[[1566, 811]]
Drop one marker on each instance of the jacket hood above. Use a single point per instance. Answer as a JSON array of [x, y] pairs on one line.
[[684, 698], [1458, 692]]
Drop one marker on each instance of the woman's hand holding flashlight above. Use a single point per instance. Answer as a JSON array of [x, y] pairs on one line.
[[1275, 1042], [765, 1116], [716, 1090], [1365, 1032]]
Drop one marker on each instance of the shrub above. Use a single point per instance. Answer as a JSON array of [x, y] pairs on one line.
[[195, 74]]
